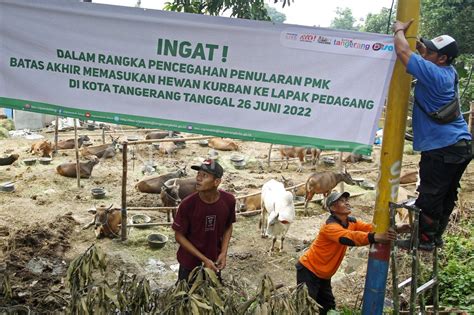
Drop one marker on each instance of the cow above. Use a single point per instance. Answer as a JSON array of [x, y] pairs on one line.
[[42, 148], [9, 159], [254, 202], [278, 203], [223, 144], [70, 143], [176, 189], [287, 152], [168, 148], [323, 183], [107, 221], [101, 151], [85, 168], [409, 177], [153, 184], [160, 134]]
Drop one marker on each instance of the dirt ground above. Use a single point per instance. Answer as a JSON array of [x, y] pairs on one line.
[[41, 221]]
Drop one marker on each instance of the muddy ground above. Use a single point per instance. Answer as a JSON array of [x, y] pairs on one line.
[[41, 221]]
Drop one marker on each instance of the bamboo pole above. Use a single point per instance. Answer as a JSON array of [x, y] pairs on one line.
[[151, 208], [56, 136], [76, 147], [170, 140], [124, 191], [150, 224]]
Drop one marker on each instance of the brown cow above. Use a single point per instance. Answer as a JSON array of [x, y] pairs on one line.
[[42, 148], [9, 159], [70, 143], [85, 168], [323, 183], [223, 144], [101, 151], [299, 152], [152, 184], [107, 221], [176, 189], [168, 148], [160, 134], [409, 177]]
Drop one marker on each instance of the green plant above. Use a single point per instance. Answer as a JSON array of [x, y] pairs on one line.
[[457, 272]]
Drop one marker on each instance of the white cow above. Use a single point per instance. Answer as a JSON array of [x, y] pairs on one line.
[[281, 211]]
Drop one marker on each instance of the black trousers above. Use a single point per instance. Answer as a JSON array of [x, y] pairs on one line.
[[440, 173], [319, 289]]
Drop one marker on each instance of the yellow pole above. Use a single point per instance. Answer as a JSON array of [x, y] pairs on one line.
[[390, 167]]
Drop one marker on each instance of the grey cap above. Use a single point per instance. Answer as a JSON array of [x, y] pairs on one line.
[[335, 196]]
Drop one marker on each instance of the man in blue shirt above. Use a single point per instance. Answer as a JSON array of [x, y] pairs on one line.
[[446, 148]]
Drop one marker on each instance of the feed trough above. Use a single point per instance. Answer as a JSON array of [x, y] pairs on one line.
[[140, 219], [213, 154], [358, 180], [132, 138], [98, 193], [238, 161], [157, 240], [30, 162], [367, 185], [45, 160], [329, 160], [7, 187], [203, 143]]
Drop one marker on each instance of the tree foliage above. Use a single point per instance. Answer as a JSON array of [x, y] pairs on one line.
[[378, 22], [275, 15], [344, 20], [244, 9], [452, 17]]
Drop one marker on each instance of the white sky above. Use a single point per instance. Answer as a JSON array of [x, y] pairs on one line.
[[302, 12]]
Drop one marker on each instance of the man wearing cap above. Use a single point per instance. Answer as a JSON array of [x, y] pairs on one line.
[[321, 261], [446, 147], [203, 223]]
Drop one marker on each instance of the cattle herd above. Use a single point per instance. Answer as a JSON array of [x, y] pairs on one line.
[[276, 203]]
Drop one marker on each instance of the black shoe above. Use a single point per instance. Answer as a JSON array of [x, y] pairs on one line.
[[438, 241]]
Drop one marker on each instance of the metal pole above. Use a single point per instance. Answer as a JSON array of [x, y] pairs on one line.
[[390, 167], [414, 262], [395, 297], [124, 190], [78, 166], [436, 285]]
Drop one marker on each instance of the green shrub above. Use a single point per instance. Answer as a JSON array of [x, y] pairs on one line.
[[457, 272], [7, 124]]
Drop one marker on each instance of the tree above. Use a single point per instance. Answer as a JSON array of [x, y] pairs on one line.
[[453, 17], [244, 9], [275, 15], [344, 20], [378, 22]]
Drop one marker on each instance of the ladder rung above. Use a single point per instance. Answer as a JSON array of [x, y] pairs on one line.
[[404, 283], [426, 286]]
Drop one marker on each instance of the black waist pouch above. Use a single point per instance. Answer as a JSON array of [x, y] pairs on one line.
[[446, 114]]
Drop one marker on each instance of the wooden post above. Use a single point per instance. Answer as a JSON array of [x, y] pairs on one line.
[[56, 136], [270, 154], [124, 190], [341, 169], [78, 166], [103, 135]]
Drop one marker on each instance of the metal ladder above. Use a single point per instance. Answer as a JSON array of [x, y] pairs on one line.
[[433, 283]]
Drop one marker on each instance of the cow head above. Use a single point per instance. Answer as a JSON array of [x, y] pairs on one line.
[[105, 221], [170, 193], [346, 177]]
